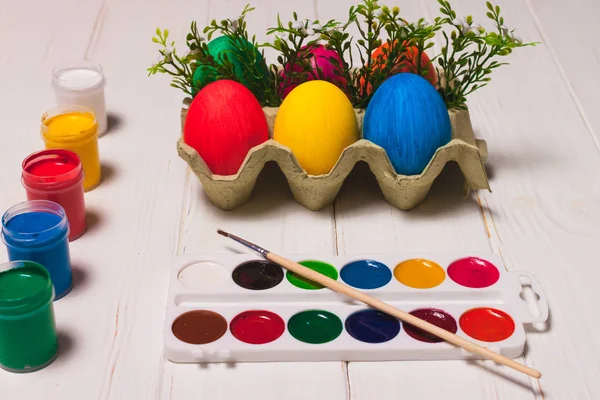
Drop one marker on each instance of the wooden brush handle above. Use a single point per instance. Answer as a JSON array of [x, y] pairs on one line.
[[402, 315]]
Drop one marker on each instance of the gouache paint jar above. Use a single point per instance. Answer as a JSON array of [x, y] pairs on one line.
[[75, 128], [56, 175], [38, 231], [28, 339], [81, 83]]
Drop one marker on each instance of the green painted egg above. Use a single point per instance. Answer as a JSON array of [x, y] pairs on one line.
[[224, 47]]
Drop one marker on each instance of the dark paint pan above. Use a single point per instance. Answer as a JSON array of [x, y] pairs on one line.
[[257, 275], [372, 326], [434, 316]]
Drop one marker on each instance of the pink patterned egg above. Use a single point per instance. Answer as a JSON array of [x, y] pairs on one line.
[[321, 69]]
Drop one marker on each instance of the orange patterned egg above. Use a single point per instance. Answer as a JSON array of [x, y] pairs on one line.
[[407, 65]]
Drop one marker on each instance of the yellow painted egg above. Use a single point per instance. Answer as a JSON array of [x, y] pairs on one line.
[[316, 122]]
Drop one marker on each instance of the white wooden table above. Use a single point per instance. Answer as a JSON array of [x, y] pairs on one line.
[[539, 117]]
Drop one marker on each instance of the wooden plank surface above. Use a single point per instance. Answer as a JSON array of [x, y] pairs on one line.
[[543, 214], [534, 214], [444, 222], [539, 119], [110, 324], [277, 221], [574, 50]]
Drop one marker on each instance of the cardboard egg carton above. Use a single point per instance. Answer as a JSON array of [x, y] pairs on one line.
[[318, 191]]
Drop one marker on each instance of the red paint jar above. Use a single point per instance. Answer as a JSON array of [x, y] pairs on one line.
[[56, 175]]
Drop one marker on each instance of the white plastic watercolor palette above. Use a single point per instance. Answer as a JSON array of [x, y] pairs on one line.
[[242, 308]]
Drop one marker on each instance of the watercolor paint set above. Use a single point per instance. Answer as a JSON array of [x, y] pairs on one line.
[[243, 308]]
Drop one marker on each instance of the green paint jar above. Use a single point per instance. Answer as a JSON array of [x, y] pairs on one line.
[[28, 340]]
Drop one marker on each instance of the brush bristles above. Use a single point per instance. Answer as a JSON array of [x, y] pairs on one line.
[[246, 243]]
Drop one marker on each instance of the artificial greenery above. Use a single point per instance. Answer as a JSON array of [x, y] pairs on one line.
[[468, 55], [168, 62], [372, 21], [293, 41]]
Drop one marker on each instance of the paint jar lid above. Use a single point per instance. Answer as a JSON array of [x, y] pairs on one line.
[[52, 169], [78, 76], [25, 287], [39, 231], [72, 132]]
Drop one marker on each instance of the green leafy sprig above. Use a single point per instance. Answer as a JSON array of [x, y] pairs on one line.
[[254, 67], [341, 42], [294, 41], [201, 57], [169, 62], [469, 54], [401, 35], [253, 76], [371, 20]]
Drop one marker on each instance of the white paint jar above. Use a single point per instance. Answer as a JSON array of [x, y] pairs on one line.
[[81, 83]]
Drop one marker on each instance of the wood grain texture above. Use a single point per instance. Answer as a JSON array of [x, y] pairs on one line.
[[279, 222], [538, 116], [274, 217], [445, 221], [426, 228], [575, 51], [110, 324], [544, 211]]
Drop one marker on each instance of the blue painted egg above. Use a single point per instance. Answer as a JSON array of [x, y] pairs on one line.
[[408, 118]]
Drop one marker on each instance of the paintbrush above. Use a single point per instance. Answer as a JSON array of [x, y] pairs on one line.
[[386, 308]]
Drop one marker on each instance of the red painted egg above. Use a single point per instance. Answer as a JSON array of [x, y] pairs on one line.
[[223, 123]]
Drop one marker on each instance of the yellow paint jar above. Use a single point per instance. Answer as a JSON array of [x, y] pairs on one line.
[[75, 128]]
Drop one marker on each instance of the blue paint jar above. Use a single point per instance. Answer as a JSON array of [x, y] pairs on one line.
[[38, 231]]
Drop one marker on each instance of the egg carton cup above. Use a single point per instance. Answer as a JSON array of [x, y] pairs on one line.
[[316, 192]]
